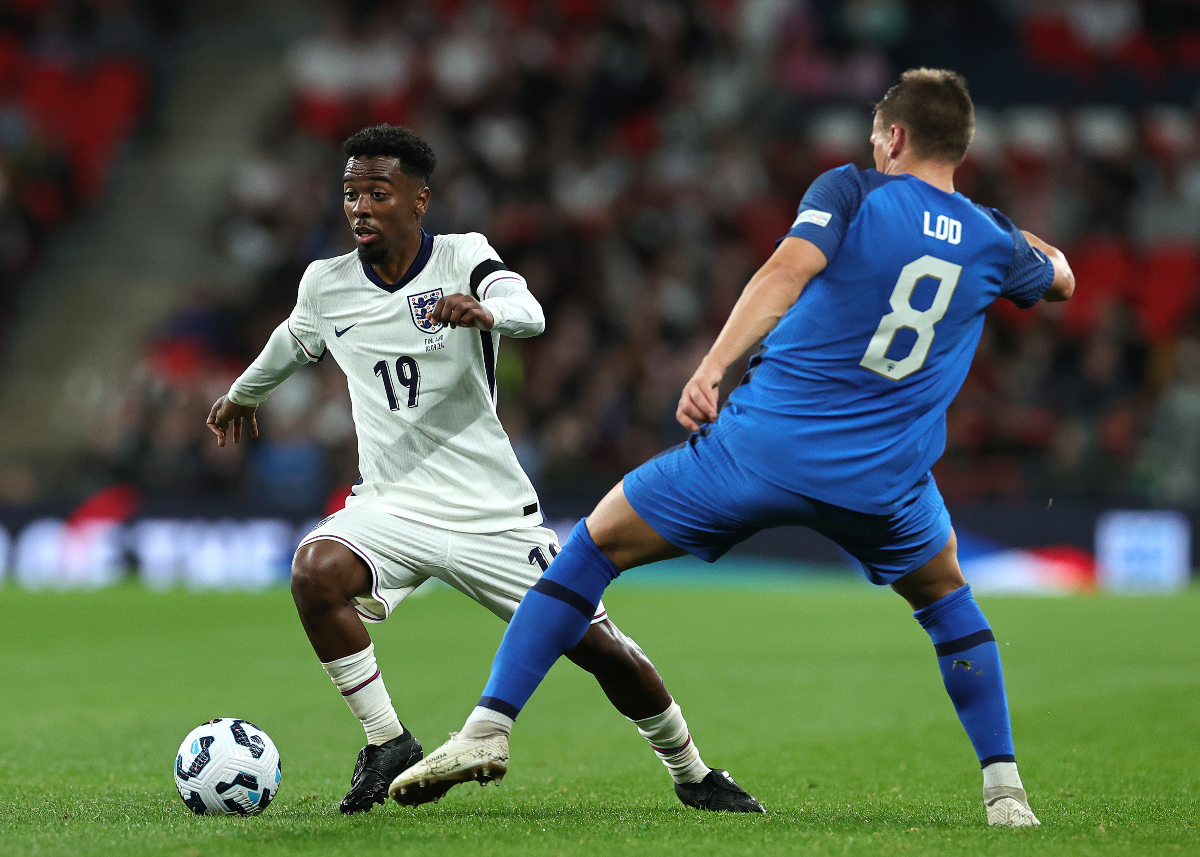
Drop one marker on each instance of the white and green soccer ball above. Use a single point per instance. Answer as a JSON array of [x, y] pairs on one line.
[[227, 767]]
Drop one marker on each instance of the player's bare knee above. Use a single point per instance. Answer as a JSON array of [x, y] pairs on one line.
[[604, 536], [933, 581], [324, 575], [306, 580], [608, 523], [623, 536]]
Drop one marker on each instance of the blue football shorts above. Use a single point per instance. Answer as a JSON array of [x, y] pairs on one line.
[[698, 498]]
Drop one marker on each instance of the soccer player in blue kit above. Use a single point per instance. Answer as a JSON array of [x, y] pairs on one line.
[[872, 306]]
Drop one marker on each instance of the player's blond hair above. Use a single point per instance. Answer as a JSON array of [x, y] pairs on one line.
[[933, 104]]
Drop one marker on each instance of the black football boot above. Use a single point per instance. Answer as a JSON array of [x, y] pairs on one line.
[[719, 793], [377, 766]]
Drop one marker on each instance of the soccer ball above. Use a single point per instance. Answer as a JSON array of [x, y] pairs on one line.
[[227, 767]]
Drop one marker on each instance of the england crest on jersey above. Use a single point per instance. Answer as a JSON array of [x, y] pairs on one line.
[[422, 304]]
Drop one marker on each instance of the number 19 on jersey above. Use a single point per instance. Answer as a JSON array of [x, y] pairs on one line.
[[409, 375]]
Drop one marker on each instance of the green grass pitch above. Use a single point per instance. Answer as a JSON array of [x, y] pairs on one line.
[[824, 701]]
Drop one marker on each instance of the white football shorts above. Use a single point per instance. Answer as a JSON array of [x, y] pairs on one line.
[[495, 569]]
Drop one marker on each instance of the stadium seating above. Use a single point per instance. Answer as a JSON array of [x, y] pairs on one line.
[[637, 182], [67, 120], [1167, 290]]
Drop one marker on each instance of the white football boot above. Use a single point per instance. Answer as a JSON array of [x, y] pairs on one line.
[[1008, 806], [459, 760]]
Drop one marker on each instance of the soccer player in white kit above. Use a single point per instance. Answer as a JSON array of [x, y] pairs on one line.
[[414, 321]]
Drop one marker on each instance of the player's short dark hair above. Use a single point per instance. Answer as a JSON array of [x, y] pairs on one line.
[[935, 106], [416, 158]]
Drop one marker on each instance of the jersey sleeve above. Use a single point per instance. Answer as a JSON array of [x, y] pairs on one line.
[[280, 357], [295, 342], [1029, 274], [303, 323], [503, 293], [827, 209]]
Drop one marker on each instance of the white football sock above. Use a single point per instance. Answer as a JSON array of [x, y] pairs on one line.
[[485, 723], [668, 735], [1002, 774], [360, 683]]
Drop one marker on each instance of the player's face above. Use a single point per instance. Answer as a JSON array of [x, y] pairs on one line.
[[383, 205]]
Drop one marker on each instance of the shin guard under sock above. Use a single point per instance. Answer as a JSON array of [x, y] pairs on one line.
[[552, 617], [970, 663]]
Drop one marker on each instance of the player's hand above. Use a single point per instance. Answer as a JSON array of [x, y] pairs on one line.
[[698, 404], [461, 311], [225, 412]]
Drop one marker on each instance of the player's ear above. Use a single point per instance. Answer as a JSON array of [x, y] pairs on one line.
[[897, 141], [421, 204]]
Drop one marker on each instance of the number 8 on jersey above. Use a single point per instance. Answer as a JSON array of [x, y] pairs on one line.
[[903, 314]]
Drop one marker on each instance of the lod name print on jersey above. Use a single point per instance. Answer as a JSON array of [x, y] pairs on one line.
[[945, 229]]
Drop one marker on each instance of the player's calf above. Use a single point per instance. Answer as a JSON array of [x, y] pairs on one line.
[[635, 688], [624, 673], [326, 577], [969, 661]]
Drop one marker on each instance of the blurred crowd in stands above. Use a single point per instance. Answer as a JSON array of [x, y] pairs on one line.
[[636, 161], [75, 79]]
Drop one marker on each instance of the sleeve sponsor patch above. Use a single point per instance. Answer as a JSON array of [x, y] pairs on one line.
[[817, 218]]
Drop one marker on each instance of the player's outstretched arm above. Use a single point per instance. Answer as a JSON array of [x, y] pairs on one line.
[[769, 294], [1064, 279], [281, 356], [225, 412]]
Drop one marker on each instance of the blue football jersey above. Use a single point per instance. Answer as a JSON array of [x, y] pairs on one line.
[[846, 401]]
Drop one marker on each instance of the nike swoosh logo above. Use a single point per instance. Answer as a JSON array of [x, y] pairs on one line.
[[338, 333]]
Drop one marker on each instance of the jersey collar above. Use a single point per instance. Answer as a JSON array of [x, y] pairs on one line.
[[417, 266]]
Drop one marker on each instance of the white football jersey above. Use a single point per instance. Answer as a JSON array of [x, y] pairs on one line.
[[430, 446]]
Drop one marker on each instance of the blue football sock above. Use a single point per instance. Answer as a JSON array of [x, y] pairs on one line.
[[552, 617], [970, 663]]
